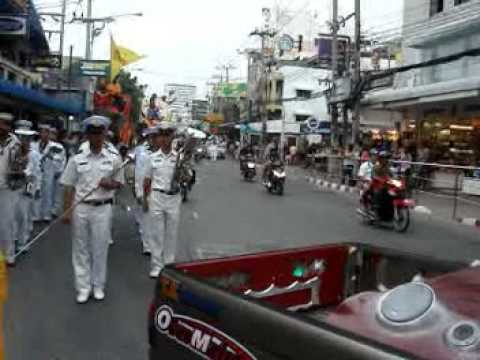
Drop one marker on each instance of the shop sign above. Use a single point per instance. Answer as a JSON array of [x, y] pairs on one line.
[[382, 82], [471, 186], [342, 88], [286, 43], [96, 68], [48, 61], [13, 25], [315, 126]]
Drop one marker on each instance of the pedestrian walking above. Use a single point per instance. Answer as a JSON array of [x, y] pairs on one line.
[[8, 145], [27, 182], [162, 199], [99, 170]]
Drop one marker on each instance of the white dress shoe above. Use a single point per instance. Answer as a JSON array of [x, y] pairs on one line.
[[82, 296], [98, 294], [154, 273]]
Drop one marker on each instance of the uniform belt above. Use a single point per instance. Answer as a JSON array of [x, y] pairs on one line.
[[97, 203], [171, 193]]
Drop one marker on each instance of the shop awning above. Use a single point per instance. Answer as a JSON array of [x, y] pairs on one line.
[[436, 92], [38, 98]]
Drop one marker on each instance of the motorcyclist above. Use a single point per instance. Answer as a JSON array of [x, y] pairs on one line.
[[381, 174], [245, 153], [273, 157]]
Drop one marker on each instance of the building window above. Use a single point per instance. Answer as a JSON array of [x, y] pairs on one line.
[[436, 6], [306, 94], [279, 90], [301, 118], [460, 2]]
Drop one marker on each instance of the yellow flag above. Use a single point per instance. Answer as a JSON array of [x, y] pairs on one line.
[[121, 57]]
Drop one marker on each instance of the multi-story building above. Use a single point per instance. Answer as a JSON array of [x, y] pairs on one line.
[[184, 95], [199, 109], [22, 44], [438, 104]]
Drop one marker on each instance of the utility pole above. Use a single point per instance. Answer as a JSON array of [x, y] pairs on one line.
[[356, 76], [62, 27], [88, 49], [334, 107]]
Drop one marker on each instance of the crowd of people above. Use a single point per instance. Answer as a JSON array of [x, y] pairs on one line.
[[43, 181]]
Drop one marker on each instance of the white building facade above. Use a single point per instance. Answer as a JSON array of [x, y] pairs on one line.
[[183, 95], [294, 95], [439, 105]]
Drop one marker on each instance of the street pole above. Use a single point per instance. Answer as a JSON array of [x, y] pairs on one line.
[[62, 27], [88, 51], [70, 60], [88, 54], [356, 76], [334, 109]]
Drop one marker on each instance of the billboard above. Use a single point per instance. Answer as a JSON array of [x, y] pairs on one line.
[[13, 25], [232, 90], [324, 46]]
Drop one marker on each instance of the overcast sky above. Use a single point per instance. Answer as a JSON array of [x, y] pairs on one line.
[[184, 40]]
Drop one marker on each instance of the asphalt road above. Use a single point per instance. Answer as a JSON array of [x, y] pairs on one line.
[[225, 216]]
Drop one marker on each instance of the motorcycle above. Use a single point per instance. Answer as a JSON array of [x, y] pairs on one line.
[[187, 180], [248, 168], [394, 207], [199, 154], [276, 179]]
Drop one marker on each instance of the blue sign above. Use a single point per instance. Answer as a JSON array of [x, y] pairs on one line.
[[314, 126], [313, 123]]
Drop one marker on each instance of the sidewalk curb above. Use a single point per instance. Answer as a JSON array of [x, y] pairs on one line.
[[323, 184], [469, 222]]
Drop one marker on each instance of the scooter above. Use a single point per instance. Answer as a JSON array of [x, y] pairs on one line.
[[394, 209], [249, 168], [275, 182]]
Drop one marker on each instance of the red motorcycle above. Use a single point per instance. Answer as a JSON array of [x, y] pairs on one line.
[[386, 203]]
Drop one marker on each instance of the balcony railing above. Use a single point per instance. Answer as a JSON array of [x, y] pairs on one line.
[[15, 74]]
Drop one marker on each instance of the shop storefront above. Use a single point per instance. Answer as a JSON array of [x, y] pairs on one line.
[[450, 131]]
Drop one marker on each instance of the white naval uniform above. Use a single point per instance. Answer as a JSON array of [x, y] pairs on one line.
[[7, 198], [85, 147], [164, 208], [57, 187], [23, 214], [142, 154], [51, 163], [91, 224]]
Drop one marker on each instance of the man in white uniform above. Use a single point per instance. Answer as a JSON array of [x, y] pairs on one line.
[[8, 144], [91, 179], [27, 183], [61, 161], [162, 199], [142, 153], [52, 157]]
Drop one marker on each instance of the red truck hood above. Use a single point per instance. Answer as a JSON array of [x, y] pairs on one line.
[[456, 300]]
